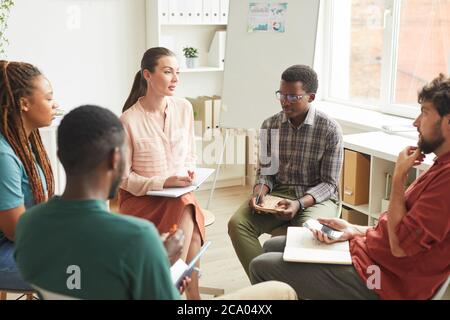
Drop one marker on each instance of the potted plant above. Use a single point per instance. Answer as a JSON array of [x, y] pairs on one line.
[[191, 55], [5, 7]]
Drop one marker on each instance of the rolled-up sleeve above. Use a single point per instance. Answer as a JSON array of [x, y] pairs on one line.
[[428, 220]]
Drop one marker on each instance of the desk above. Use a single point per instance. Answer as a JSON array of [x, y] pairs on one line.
[[383, 150]]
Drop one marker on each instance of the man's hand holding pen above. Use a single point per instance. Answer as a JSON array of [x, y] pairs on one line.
[[173, 242], [259, 192]]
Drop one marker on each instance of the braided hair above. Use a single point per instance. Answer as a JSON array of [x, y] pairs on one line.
[[16, 82]]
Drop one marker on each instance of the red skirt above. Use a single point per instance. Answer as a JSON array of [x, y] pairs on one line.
[[164, 212]]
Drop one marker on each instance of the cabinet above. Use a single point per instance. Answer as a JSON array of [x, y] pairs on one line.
[[382, 150], [201, 24]]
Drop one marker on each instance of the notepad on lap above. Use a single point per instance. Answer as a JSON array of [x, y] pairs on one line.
[[201, 174], [270, 204], [301, 246]]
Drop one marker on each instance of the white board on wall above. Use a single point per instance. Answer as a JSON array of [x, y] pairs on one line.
[[254, 61]]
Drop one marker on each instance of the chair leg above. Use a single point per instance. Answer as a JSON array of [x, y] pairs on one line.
[[2, 295]]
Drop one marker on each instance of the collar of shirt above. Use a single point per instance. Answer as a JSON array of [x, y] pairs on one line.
[[444, 158], [145, 111], [309, 120]]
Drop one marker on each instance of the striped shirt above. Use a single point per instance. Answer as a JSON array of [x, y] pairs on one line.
[[308, 157]]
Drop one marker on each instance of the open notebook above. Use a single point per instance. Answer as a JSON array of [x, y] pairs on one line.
[[201, 174], [301, 246], [180, 269]]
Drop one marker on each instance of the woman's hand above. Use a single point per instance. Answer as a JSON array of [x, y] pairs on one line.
[[177, 181]]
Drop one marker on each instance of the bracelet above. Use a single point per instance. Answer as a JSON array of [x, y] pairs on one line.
[[302, 205]]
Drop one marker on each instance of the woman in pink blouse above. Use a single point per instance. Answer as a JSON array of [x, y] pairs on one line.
[[161, 154]]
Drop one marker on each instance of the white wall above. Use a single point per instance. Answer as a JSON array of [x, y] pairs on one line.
[[89, 49]]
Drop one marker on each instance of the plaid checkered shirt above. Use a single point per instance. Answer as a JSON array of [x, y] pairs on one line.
[[308, 157]]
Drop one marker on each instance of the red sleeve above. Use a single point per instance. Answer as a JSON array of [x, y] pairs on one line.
[[428, 220]]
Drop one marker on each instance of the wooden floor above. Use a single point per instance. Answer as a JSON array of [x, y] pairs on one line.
[[220, 265]]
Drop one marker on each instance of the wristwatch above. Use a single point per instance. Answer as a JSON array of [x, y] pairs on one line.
[[302, 205]]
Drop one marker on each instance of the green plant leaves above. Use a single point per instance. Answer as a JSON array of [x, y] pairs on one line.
[[190, 52]]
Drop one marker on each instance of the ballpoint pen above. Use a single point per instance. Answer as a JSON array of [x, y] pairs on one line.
[[259, 194]]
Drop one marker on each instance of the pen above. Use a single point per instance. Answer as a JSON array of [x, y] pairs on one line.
[[259, 194], [173, 229]]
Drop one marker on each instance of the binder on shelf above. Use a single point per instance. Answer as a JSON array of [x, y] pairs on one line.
[[203, 110], [215, 11], [178, 11], [224, 6], [194, 11], [217, 106], [163, 6], [207, 12], [216, 54]]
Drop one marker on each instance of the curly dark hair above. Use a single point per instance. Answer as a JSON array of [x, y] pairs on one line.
[[305, 74], [437, 92]]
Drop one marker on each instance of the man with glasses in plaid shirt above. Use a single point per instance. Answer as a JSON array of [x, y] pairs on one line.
[[301, 154]]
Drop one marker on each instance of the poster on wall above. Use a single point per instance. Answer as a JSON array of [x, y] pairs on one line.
[[267, 17]]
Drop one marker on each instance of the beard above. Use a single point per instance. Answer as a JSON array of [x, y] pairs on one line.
[[430, 145]]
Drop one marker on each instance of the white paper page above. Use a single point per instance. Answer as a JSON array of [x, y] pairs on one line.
[[300, 237], [177, 270]]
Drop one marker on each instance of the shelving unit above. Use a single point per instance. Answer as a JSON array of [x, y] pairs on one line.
[[383, 149], [206, 79]]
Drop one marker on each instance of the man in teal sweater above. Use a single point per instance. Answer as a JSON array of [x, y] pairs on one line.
[[72, 245]]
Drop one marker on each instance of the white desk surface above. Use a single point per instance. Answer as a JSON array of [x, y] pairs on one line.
[[382, 145]]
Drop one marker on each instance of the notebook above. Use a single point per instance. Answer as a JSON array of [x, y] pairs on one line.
[[180, 269], [301, 246], [201, 174], [270, 204]]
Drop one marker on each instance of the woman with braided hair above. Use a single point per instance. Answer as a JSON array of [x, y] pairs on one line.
[[26, 179]]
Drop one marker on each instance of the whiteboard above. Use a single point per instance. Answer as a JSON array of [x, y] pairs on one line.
[[254, 61]]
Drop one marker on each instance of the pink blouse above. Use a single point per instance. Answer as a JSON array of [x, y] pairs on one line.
[[153, 155]]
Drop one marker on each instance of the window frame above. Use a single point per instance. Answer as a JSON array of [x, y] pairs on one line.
[[386, 104]]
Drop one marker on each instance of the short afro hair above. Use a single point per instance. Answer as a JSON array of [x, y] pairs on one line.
[[305, 74], [86, 137]]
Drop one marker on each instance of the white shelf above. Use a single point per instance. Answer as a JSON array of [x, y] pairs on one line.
[[201, 69], [364, 208]]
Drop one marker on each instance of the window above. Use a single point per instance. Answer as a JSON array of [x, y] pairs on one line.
[[381, 52]]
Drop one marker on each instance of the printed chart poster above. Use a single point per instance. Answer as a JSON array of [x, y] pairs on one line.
[[267, 17]]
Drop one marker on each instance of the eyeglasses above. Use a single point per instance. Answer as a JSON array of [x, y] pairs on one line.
[[291, 98]]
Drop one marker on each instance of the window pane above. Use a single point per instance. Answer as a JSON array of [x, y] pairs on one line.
[[358, 36], [424, 46]]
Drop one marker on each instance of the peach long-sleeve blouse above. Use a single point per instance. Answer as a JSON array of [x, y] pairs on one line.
[[153, 154]]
